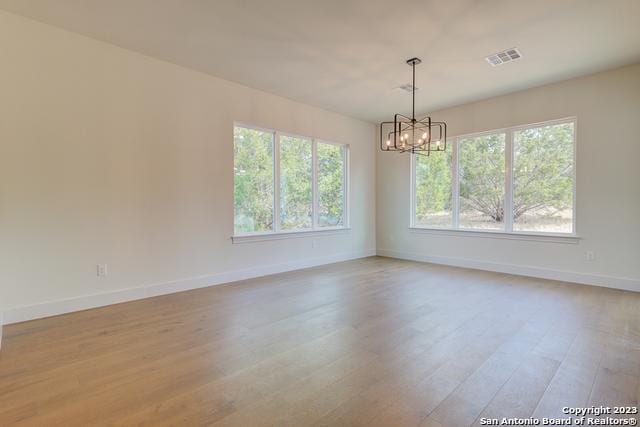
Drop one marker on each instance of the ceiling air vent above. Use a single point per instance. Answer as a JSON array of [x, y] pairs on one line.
[[407, 87], [504, 56]]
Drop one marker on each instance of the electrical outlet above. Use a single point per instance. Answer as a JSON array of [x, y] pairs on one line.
[[102, 270], [590, 255]]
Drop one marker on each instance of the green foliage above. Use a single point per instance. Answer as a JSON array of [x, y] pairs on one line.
[[253, 180], [433, 187], [296, 171], [481, 169], [542, 176], [543, 169], [331, 169]]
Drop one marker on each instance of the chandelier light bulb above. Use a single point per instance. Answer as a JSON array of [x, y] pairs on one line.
[[388, 143], [406, 136], [424, 135], [438, 143]]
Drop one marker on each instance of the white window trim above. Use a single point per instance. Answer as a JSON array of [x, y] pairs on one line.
[[508, 232], [494, 234], [278, 233], [294, 234]]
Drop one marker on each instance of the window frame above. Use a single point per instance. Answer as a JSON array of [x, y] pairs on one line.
[[508, 231], [277, 232]]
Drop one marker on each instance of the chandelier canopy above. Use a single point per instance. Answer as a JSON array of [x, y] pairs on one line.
[[410, 135]]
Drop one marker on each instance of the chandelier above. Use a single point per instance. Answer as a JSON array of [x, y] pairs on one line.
[[410, 135]]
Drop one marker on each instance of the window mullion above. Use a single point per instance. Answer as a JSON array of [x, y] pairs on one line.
[[508, 182], [346, 217], [412, 189], [455, 184], [314, 184], [276, 183]]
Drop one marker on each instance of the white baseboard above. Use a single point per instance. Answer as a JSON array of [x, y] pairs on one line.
[[53, 308], [522, 270]]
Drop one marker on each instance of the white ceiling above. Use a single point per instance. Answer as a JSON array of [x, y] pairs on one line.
[[348, 55]]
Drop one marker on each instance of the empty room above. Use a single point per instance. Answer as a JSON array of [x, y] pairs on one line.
[[319, 213]]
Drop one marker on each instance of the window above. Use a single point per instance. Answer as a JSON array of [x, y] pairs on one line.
[[253, 180], [331, 185], [433, 207], [481, 178], [310, 177], [296, 176], [516, 180], [543, 178]]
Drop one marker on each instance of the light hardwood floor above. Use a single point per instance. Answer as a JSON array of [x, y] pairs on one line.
[[371, 342]]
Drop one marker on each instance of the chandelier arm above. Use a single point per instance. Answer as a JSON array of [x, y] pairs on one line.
[[398, 116], [382, 147]]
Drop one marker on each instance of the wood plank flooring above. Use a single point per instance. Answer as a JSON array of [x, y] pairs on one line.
[[371, 342]]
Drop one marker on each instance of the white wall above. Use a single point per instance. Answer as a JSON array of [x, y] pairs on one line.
[[108, 156], [608, 185]]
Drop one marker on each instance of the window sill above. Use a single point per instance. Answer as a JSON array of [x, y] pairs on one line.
[[535, 237], [260, 237]]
